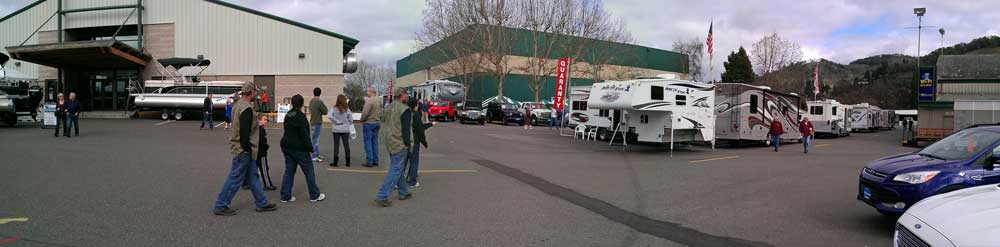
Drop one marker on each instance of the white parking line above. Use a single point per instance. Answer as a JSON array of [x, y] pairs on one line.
[[220, 124], [164, 122]]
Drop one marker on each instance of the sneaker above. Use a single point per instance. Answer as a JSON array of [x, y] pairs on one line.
[[320, 198], [383, 203], [317, 159], [270, 188], [226, 211], [268, 207], [405, 197], [289, 200], [414, 185]]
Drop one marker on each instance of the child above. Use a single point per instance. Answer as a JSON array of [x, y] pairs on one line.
[[262, 165], [229, 112]]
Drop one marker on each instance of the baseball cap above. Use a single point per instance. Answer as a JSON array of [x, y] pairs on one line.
[[249, 86], [398, 91]]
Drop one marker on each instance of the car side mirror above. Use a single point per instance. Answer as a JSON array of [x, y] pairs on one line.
[[992, 161]]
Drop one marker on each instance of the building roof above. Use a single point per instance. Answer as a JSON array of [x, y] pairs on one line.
[[349, 43], [968, 67], [628, 54]]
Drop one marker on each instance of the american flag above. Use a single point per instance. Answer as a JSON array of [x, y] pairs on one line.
[[709, 40], [816, 80]]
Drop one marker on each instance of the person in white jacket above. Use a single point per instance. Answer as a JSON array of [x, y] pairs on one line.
[[343, 123]]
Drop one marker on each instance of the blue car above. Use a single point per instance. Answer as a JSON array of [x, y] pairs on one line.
[[961, 160]]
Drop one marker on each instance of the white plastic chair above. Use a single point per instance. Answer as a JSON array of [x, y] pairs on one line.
[[581, 131], [592, 134]]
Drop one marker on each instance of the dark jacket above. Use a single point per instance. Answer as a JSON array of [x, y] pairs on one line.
[[296, 136], [776, 129], [418, 127], [72, 107], [207, 106], [262, 145], [60, 109]]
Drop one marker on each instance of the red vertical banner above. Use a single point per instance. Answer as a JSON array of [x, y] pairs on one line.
[[390, 91], [560, 84]]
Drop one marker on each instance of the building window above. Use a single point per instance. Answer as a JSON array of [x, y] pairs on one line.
[[681, 99], [643, 119], [753, 103], [655, 93], [579, 105]]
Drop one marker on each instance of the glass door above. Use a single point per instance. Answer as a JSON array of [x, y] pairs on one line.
[[102, 94]]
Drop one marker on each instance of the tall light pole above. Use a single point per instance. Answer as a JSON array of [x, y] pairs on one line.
[[920, 27], [941, 30]]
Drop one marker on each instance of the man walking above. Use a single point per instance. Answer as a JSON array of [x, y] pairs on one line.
[[72, 115], [371, 113], [317, 109], [243, 146], [775, 133], [806, 128], [397, 120], [295, 147], [206, 111], [417, 128]]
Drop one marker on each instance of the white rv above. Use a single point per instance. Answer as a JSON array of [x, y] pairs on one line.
[[657, 110], [745, 112], [439, 90], [863, 117], [829, 117], [580, 113]]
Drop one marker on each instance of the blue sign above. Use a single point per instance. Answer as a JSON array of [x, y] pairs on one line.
[[926, 91]]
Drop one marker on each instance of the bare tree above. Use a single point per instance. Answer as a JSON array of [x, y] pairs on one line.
[[445, 33], [545, 23], [601, 41], [376, 76], [695, 50], [772, 53]]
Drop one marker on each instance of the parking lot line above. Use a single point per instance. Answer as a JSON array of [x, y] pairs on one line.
[[9, 220], [382, 171], [824, 145], [164, 122], [220, 124], [711, 159]]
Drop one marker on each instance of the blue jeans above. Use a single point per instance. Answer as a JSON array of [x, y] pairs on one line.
[[293, 160], [72, 122], [207, 116], [414, 164], [394, 177], [243, 169], [805, 143], [370, 135], [316, 128], [775, 141]]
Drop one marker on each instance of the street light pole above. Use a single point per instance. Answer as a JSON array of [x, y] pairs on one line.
[[941, 30]]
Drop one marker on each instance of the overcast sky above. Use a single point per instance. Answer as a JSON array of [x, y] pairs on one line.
[[838, 30]]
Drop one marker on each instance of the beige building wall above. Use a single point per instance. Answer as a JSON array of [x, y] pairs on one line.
[[577, 70]]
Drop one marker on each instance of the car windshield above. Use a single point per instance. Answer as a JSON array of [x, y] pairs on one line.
[[961, 145], [472, 105], [440, 103]]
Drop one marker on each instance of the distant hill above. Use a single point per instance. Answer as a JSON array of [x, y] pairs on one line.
[[885, 80]]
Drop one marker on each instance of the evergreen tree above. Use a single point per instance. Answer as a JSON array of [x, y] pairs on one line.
[[738, 68]]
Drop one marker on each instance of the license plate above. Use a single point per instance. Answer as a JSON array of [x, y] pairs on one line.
[[866, 193]]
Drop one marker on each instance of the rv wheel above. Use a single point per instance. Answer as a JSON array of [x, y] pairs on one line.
[[178, 115], [602, 134], [164, 115]]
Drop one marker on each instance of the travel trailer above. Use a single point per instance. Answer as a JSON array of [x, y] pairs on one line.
[[886, 119], [744, 113], [657, 110], [183, 96], [432, 90], [828, 117], [863, 117]]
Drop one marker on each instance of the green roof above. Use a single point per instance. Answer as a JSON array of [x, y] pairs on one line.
[[349, 43], [632, 55]]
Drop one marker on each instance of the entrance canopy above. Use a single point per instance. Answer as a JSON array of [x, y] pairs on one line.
[[89, 54]]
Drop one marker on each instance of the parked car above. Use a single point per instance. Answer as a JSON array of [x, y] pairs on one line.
[[539, 114], [442, 110], [961, 160], [504, 113], [961, 218], [471, 111]]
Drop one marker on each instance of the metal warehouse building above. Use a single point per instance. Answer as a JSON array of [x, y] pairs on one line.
[[96, 47], [966, 92], [630, 61]]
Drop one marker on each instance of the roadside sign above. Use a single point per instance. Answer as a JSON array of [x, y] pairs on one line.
[[560, 84], [926, 90], [282, 110], [49, 114]]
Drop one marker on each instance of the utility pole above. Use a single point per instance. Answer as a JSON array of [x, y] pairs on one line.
[[920, 27]]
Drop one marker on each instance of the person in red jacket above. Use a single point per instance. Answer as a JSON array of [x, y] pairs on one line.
[[775, 133], [806, 128]]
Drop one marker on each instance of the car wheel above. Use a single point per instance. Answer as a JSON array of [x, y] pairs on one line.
[[534, 120], [481, 122], [178, 115], [165, 115]]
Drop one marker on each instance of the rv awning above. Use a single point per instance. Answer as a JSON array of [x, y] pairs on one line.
[[90, 54]]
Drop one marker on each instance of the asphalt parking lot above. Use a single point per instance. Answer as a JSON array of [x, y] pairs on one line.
[[147, 182]]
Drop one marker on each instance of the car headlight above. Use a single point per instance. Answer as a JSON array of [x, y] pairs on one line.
[[915, 177]]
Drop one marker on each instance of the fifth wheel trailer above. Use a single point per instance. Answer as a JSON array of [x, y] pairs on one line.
[[658, 110], [745, 112]]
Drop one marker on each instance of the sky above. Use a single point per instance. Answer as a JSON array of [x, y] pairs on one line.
[[837, 30]]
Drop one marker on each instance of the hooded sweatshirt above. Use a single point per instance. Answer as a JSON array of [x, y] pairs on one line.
[[296, 136]]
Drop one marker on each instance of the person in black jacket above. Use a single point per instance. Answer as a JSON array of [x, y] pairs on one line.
[[206, 111], [296, 146], [418, 127], [262, 164], [72, 114], [61, 114]]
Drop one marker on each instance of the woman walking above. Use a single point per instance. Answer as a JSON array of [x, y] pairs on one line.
[[60, 114], [343, 122], [296, 145]]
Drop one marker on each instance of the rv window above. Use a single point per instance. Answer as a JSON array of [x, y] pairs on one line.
[[655, 93], [816, 110], [681, 99], [579, 105], [753, 103], [834, 110], [604, 113]]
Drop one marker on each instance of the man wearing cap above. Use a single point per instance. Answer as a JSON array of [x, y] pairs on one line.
[[243, 146], [371, 114], [396, 120]]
